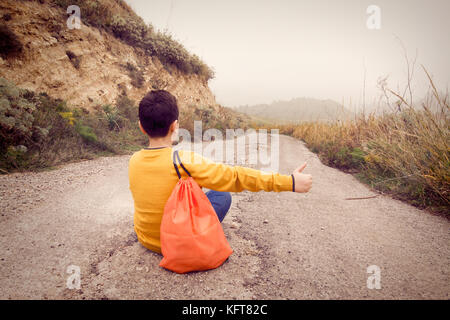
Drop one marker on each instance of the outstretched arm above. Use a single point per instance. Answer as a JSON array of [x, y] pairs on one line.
[[222, 177]]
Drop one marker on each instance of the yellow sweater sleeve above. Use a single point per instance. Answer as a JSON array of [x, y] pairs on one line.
[[222, 177]]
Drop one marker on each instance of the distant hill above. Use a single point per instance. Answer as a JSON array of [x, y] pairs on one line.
[[298, 109]]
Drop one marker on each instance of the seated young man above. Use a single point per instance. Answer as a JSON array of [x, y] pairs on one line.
[[153, 176]]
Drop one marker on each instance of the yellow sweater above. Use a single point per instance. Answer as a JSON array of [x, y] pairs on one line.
[[153, 177]]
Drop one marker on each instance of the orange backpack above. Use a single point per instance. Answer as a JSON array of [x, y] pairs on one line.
[[192, 237]]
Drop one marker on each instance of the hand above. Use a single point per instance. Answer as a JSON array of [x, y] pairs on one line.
[[303, 182]]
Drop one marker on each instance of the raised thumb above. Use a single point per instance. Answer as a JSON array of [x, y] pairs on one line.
[[301, 168]]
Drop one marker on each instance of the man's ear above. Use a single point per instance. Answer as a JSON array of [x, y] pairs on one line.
[[142, 129], [174, 126], [173, 132]]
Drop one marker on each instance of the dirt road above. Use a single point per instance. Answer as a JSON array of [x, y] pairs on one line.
[[286, 246]]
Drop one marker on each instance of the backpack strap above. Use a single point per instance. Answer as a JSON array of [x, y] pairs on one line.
[[176, 157]]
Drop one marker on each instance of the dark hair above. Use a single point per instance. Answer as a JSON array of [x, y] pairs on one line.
[[157, 110]]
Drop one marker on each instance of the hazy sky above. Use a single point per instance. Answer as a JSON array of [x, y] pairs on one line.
[[277, 50]]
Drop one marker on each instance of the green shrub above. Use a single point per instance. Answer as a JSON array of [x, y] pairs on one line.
[[127, 108], [112, 117], [16, 116], [86, 132], [131, 30], [15, 155], [136, 75], [33, 132]]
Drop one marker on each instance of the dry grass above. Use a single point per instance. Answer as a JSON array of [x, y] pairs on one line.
[[404, 153]]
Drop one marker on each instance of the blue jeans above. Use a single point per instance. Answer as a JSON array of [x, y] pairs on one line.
[[221, 202]]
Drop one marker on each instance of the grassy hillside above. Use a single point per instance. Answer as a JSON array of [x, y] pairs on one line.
[[297, 110], [117, 18]]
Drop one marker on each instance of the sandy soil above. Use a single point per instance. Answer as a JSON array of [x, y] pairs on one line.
[[286, 246]]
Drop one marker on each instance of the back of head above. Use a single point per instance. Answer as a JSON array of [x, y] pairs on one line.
[[157, 111]]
